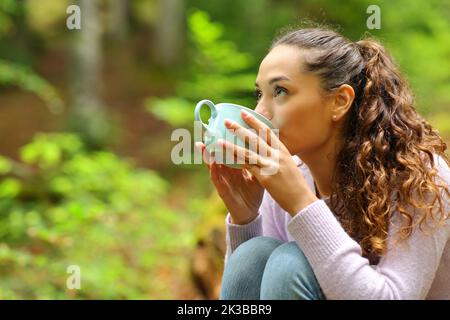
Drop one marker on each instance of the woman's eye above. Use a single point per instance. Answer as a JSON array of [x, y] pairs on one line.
[[280, 90], [257, 94], [277, 92]]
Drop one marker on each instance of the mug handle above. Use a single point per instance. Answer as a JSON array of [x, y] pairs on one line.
[[199, 105]]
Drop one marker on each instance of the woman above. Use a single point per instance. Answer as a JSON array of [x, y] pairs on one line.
[[358, 207]]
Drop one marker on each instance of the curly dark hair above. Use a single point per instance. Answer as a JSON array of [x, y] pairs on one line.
[[386, 162]]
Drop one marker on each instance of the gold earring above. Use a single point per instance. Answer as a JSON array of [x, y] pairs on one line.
[[334, 117]]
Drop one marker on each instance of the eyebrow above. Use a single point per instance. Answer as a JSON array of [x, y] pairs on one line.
[[274, 80]]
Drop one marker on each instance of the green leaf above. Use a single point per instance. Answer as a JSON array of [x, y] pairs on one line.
[[9, 188], [5, 165], [176, 111], [18, 75]]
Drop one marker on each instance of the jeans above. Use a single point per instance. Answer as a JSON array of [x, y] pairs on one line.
[[269, 269]]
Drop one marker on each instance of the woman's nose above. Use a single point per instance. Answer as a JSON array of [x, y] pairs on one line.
[[263, 111]]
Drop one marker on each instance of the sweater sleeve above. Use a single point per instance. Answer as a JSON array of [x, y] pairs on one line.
[[263, 224], [406, 271]]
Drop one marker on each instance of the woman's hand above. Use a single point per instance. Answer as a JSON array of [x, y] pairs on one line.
[[240, 191], [269, 161]]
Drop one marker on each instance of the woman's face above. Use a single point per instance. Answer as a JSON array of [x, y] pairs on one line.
[[293, 100]]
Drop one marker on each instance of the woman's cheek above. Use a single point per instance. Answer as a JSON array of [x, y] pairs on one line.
[[281, 117], [304, 135], [279, 121]]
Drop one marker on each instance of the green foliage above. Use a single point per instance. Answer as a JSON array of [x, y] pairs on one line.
[[13, 73], [214, 54], [63, 203], [441, 121], [173, 109], [5, 165], [145, 11], [91, 209], [16, 74], [421, 42], [218, 71], [47, 150], [417, 33], [251, 24], [7, 8], [46, 16]]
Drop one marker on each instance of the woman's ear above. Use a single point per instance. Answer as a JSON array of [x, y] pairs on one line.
[[342, 100]]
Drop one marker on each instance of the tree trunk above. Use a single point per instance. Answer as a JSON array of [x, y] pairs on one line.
[[88, 116], [206, 265], [169, 32], [118, 19]]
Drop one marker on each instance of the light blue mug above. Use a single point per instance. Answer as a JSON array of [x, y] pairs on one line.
[[215, 129]]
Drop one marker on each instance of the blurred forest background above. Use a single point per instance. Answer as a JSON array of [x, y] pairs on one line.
[[86, 118]]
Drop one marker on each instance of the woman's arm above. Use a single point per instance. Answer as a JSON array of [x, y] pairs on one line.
[[263, 225], [405, 272], [269, 221]]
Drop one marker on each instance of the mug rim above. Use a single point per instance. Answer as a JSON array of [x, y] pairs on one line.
[[250, 110]]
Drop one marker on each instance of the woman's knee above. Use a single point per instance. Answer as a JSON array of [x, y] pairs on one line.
[[257, 249], [245, 267], [288, 275]]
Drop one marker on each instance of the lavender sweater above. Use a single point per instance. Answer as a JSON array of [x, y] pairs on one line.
[[417, 268]]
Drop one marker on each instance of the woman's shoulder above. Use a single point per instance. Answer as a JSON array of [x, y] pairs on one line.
[[441, 165]]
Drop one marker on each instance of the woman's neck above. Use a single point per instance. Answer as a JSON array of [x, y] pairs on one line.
[[321, 163]]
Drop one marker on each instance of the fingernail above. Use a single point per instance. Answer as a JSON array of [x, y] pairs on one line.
[[245, 114], [228, 123]]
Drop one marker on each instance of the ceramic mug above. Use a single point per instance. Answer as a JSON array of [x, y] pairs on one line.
[[215, 129]]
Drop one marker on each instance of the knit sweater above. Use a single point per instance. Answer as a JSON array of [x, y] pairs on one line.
[[417, 268]]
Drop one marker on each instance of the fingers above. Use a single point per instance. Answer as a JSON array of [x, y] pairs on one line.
[[263, 130], [208, 159], [220, 174], [213, 168], [213, 173], [256, 142], [247, 175], [245, 156], [199, 146]]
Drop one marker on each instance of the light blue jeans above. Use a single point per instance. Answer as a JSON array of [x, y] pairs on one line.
[[269, 269]]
